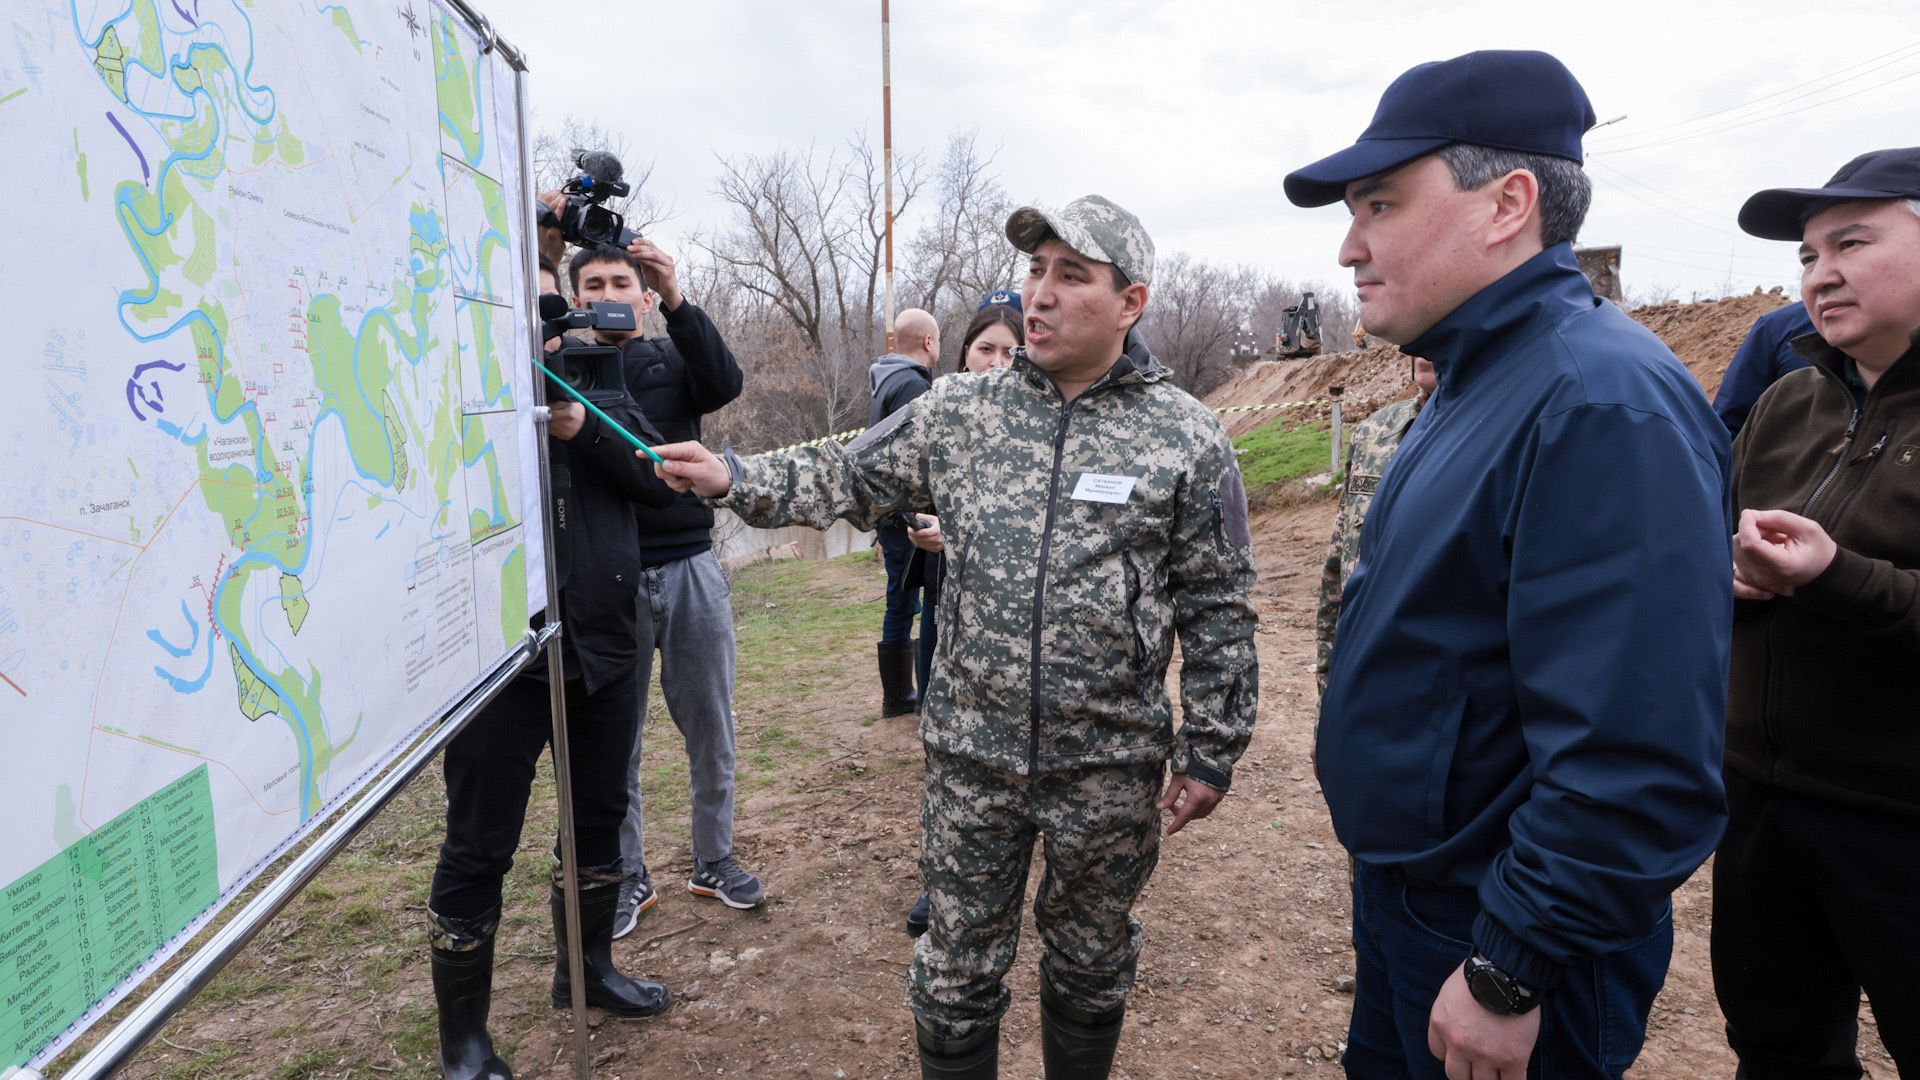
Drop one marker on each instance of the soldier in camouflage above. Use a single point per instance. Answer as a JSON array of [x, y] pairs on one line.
[[1374, 441], [1092, 511]]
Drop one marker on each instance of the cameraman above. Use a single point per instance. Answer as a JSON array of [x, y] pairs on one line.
[[598, 484], [685, 610]]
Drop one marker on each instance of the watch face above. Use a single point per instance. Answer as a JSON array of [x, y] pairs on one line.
[[1489, 989]]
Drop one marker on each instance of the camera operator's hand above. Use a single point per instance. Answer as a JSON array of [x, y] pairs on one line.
[[659, 267], [556, 200], [688, 466], [929, 538], [566, 419]]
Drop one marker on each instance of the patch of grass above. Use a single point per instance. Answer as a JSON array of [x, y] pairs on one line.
[[311, 1061], [1275, 452], [214, 1061]]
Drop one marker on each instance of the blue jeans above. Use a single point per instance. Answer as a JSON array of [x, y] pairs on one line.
[[1409, 938], [903, 602]]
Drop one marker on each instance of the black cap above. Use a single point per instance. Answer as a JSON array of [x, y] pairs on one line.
[[1782, 213], [1507, 99]]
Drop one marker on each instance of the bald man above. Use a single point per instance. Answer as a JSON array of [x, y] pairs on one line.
[[895, 379]]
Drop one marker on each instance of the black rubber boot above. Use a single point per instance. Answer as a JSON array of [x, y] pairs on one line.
[[1076, 1044], [976, 1057], [462, 951], [897, 697], [921, 916], [607, 988]]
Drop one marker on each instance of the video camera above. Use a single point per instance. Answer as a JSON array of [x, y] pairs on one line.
[[585, 221], [594, 370]]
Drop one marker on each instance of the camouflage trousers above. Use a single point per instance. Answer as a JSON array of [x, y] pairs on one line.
[[978, 827]]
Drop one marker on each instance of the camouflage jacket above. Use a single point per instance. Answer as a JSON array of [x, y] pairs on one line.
[[1374, 441], [1080, 539]]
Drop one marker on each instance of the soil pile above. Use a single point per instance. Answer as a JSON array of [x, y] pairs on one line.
[[1703, 335]]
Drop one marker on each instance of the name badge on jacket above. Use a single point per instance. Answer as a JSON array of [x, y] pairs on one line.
[[1102, 488]]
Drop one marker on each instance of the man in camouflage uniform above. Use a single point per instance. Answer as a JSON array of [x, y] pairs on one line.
[[1092, 511], [1374, 441]]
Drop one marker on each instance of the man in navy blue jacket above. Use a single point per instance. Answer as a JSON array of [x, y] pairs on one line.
[[1522, 731], [1762, 358]]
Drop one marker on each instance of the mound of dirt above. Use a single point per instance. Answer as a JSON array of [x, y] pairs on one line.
[[1703, 335]]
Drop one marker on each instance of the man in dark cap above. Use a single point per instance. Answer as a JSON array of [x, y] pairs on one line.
[[1520, 740], [1815, 885]]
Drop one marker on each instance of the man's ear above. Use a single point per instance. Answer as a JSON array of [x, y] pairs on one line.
[[1133, 300], [1516, 201]]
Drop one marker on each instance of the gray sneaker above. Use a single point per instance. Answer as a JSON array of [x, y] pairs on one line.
[[636, 896], [726, 881]]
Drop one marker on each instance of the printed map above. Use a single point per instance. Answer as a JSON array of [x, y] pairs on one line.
[[271, 495]]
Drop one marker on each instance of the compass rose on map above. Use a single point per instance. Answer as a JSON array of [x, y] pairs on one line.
[[412, 20]]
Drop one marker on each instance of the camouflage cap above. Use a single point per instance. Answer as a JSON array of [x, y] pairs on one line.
[[1092, 225]]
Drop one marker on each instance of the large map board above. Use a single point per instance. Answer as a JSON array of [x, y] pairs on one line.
[[271, 495]]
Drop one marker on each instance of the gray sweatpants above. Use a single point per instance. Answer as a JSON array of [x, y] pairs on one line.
[[685, 613]]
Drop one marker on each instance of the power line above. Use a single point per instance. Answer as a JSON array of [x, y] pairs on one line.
[[1717, 270], [1759, 119], [1861, 70], [1770, 260], [1632, 194], [1717, 215]]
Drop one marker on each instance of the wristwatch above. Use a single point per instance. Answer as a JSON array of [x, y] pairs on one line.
[[1495, 990]]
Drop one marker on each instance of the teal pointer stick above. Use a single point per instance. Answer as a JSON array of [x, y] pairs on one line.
[[595, 410]]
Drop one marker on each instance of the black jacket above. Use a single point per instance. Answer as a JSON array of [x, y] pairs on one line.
[[599, 484], [676, 381], [1824, 700]]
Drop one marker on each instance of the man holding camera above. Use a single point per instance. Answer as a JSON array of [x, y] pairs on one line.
[[1095, 512], [685, 611], [490, 765]]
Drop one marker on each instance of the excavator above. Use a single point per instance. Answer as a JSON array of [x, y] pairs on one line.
[[1299, 335]]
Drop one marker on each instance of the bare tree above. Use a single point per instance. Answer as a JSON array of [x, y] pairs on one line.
[[1194, 312], [961, 252], [553, 165], [806, 241]]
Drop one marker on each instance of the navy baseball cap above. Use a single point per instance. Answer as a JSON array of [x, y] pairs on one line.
[[1002, 297], [1507, 99], [1782, 213]]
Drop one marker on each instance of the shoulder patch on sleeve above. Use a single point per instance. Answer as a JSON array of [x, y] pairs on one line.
[[1233, 509]]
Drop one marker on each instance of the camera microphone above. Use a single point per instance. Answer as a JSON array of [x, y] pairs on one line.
[[602, 166]]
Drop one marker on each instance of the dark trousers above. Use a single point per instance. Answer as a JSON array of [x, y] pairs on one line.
[[929, 640], [489, 769], [1813, 901], [903, 595], [1409, 938]]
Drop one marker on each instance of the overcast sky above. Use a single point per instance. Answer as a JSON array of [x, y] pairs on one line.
[[1190, 113]]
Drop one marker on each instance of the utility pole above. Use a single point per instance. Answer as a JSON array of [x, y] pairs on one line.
[[886, 139]]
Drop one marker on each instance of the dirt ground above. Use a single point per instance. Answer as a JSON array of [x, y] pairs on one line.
[[1246, 920], [1247, 960]]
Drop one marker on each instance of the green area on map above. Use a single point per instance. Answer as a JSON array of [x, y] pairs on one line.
[[82, 921]]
